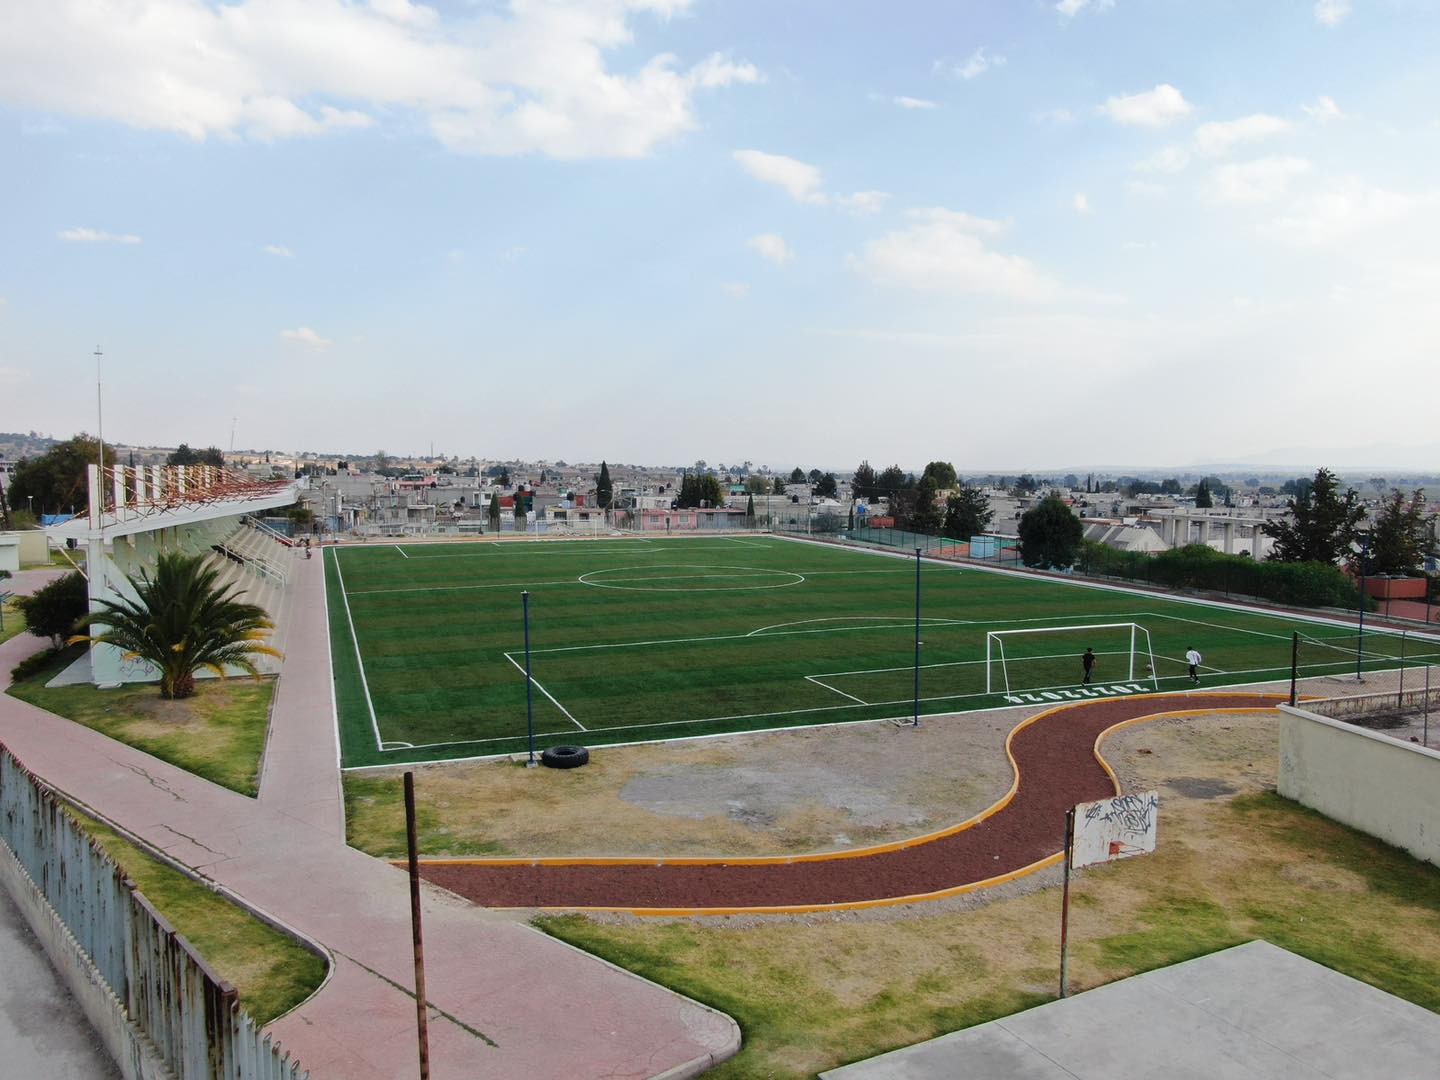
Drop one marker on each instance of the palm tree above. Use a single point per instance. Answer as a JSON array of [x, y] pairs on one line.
[[183, 621]]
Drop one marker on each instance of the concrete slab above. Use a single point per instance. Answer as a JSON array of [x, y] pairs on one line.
[[1254, 1012]]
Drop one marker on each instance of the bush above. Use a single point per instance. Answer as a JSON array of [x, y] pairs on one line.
[[52, 611], [33, 665], [1196, 566]]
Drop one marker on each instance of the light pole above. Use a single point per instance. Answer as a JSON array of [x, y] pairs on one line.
[[915, 718], [529, 684], [1360, 638]]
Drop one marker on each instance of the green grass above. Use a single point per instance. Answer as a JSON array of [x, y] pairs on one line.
[[669, 638], [14, 621], [271, 972], [218, 734], [812, 995]]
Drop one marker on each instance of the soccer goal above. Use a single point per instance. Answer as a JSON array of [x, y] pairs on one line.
[[1049, 657]]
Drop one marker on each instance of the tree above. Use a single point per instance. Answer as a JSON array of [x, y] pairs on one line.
[[211, 455], [750, 511], [504, 477], [797, 475], [1050, 534], [778, 488], [56, 479], [1400, 535], [181, 620], [757, 485], [1203, 501], [494, 513], [604, 489], [814, 476], [942, 472], [1026, 485], [1299, 487], [1170, 487], [890, 481], [51, 611], [183, 455], [967, 513], [862, 486], [1323, 525], [925, 513], [826, 487], [382, 461]]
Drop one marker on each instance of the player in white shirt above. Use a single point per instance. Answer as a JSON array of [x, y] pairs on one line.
[[1194, 659]]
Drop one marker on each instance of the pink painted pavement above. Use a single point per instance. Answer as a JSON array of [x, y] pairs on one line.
[[506, 1001]]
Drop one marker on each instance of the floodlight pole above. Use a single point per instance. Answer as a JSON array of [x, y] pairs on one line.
[[1065, 905], [529, 684], [915, 719], [1360, 638], [100, 430], [1294, 665]]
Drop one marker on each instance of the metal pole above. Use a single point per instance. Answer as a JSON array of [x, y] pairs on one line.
[[915, 720], [1360, 638], [1400, 699], [421, 1020], [1425, 738], [1294, 664], [1065, 905], [529, 683], [100, 429]]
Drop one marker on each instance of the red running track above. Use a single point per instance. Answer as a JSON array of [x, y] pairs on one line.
[[1056, 765]]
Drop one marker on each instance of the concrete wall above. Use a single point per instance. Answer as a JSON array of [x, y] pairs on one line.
[[132, 1051], [1368, 781]]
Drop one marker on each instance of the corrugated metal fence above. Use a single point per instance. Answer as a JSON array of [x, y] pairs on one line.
[[187, 1011]]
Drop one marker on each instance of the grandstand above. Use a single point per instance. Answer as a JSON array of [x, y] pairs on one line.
[[135, 512]]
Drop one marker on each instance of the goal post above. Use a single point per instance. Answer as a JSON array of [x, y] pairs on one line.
[[1049, 657]]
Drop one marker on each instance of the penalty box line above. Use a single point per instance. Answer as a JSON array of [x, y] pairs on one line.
[[521, 668]]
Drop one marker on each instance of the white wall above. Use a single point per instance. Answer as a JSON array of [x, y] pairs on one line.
[[1368, 781]]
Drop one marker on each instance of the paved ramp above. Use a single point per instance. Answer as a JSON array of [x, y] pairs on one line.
[[1254, 1012]]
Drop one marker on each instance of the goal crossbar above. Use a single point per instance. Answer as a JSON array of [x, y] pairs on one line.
[[995, 651]]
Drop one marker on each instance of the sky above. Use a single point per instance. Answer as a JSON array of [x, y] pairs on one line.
[[1008, 234]]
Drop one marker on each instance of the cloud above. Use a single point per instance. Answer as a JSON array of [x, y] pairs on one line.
[[524, 77], [735, 288], [1331, 12], [1150, 108], [1256, 181], [1057, 117], [1219, 137], [914, 102], [772, 247], [1071, 8], [280, 251], [96, 236], [1324, 110], [303, 335], [1351, 209], [1169, 159], [975, 65], [804, 183], [945, 251], [862, 202], [800, 180], [10, 376], [1081, 202]]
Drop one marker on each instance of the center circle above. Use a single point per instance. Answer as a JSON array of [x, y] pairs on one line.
[[701, 578]]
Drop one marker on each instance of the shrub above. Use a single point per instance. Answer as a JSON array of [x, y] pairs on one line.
[[53, 610], [33, 665]]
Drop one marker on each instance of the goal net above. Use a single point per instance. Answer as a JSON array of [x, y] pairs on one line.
[[1051, 657]]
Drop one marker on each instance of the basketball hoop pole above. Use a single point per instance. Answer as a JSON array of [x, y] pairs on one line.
[[915, 718], [1065, 905]]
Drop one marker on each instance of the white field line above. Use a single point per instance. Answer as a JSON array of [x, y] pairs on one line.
[[359, 658], [966, 663], [842, 693], [330, 653], [466, 588], [536, 682], [401, 550], [577, 581], [748, 543]]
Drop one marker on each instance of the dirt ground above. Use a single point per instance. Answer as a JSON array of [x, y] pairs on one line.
[[783, 792]]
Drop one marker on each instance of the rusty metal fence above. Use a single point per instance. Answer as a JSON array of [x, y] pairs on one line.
[[189, 1014]]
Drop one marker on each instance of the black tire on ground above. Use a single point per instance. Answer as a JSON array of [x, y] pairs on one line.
[[565, 757]]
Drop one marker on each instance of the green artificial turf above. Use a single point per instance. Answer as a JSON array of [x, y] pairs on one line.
[[638, 639]]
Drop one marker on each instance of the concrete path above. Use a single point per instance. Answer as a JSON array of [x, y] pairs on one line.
[[43, 1033], [1254, 1012], [506, 1001]]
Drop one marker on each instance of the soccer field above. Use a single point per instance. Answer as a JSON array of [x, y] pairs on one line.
[[639, 639]]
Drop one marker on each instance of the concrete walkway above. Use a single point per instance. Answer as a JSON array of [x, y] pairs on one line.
[[1254, 1012], [506, 1001]]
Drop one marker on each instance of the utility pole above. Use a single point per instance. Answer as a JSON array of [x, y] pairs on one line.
[[100, 428]]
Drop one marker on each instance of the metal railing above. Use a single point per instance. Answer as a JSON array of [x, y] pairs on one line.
[[167, 991]]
